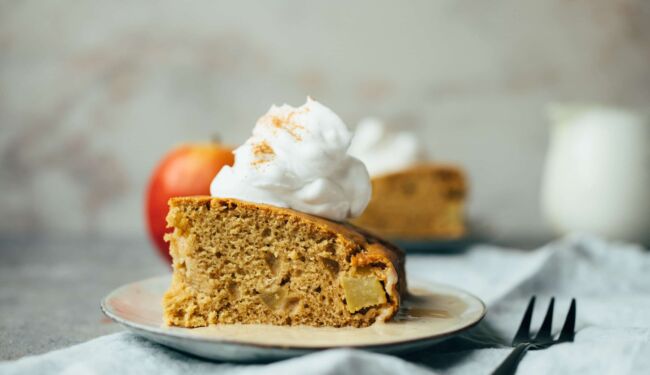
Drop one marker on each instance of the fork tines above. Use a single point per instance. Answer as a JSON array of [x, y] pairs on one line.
[[544, 334]]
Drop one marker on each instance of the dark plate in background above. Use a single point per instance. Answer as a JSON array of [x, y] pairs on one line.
[[436, 246]]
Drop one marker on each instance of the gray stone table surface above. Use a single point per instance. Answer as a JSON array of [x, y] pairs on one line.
[[50, 289]]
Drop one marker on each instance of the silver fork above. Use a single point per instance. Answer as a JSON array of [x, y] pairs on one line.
[[523, 342]]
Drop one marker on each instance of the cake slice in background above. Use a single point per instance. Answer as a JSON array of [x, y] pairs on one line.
[[421, 202], [412, 198]]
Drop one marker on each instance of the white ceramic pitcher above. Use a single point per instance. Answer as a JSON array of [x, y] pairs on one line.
[[597, 173]]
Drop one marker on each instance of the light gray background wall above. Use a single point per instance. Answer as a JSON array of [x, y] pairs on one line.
[[92, 94]]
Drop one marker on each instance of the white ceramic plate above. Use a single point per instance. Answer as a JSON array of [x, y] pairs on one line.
[[434, 312]]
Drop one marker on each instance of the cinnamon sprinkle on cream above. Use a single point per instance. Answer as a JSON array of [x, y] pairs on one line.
[[285, 123], [263, 153]]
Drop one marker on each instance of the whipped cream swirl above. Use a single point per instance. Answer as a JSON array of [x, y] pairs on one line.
[[297, 158], [383, 150]]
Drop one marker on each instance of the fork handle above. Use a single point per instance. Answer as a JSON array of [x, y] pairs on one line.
[[509, 365]]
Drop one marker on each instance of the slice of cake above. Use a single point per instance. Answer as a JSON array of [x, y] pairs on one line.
[[412, 198], [421, 202], [241, 262], [272, 244]]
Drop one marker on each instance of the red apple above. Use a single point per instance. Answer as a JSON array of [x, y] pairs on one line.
[[185, 170]]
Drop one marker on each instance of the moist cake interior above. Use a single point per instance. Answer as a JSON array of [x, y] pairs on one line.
[[237, 262]]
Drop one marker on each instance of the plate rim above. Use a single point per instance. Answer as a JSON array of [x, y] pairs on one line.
[[180, 335]]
